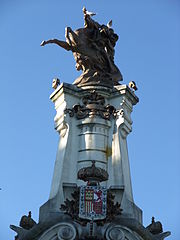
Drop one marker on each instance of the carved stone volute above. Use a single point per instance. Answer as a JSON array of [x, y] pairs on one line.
[[93, 105]]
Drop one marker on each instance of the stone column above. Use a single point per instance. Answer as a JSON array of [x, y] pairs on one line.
[[123, 99]]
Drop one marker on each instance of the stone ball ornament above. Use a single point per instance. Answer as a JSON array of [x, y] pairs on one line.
[[55, 83]]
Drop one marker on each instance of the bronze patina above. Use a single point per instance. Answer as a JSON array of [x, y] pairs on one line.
[[93, 51]]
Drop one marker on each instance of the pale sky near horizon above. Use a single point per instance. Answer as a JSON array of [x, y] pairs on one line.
[[148, 52]]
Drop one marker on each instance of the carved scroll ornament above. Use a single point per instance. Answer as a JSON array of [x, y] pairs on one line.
[[93, 105]]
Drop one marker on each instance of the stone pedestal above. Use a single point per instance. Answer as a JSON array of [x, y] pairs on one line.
[[87, 136], [93, 124]]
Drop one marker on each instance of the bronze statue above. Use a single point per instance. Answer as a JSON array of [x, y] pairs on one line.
[[93, 50]]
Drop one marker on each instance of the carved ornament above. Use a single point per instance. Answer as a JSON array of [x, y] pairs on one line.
[[71, 207], [93, 105], [92, 173], [27, 222]]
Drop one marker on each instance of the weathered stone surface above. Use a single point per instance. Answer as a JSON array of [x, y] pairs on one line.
[[93, 138], [81, 141], [63, 227], [93, 119]]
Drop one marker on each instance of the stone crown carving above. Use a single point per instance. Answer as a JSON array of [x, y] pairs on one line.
[[92, 174]]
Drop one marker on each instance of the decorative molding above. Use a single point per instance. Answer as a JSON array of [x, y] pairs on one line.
[[93, 105], [113, 209], [115, 233], [60, 231], [71, 207], [63, 129], [66, 232], [92, 174]]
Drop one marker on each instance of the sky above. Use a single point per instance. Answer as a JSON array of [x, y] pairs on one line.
[[148, 52]]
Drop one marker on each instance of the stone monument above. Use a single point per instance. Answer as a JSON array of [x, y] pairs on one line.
[[91, 193]]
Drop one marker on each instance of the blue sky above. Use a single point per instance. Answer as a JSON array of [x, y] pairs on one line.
[[148, 52]]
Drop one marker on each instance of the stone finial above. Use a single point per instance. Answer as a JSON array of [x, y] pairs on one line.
[[155, 227], [27, 222], [55, 83], [133, 86]]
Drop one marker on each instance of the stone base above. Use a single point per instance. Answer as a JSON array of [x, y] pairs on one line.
[[59, 226], [93, 123]]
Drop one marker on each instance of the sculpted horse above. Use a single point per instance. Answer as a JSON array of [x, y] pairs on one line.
[[93, 50]]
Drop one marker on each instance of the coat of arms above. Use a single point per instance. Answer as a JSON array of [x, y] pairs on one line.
[[93, 201]]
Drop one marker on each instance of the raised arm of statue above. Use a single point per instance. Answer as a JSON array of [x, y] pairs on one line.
[[60, 43], [93, 51]]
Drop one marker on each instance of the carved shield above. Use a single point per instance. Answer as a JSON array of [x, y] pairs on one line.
[[93, 202]]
